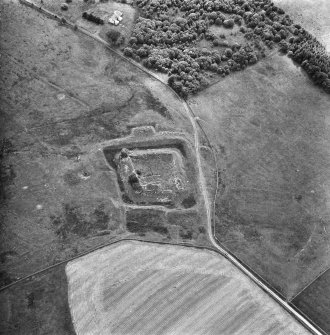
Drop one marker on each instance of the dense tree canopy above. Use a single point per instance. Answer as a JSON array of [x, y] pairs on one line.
[[116, 39], [167, 34]]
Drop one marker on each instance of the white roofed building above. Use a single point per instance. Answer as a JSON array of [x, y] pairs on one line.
[[116, 17]]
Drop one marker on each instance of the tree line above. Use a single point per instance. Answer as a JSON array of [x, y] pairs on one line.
[[166, 36]]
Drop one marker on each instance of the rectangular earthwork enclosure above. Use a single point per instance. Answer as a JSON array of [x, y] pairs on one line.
[[158, 172]]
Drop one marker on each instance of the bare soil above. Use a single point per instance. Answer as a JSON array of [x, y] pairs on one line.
[[140, 288]]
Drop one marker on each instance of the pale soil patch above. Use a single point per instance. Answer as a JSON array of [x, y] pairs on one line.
[[138, 288]]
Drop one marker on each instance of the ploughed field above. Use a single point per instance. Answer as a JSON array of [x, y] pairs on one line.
[[142, 288]]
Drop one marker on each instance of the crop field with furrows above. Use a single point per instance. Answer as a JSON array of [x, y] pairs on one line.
[[58, 102], [140, 288], [270, 128], [315, 303]]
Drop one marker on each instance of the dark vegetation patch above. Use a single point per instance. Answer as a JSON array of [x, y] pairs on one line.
[[4, 256], [7, 172], [101, 218], [92, 16], [156, 105], [189, 223], [126, 198], [72, 152], [7, 175], [167, 35], [37, 306], [189, 201], [106, 121], [5, 279], [115, 38], [315, 303], [75, 220], [102, 123], [72, 178], [142, 221], [186, 234], [6, 146], [306, 50], [202, 230]]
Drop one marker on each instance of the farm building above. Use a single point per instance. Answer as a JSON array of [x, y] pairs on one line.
[[116, 17]]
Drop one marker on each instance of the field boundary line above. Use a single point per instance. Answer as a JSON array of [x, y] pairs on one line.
[[309, 284], [114, 240], [46, 81]]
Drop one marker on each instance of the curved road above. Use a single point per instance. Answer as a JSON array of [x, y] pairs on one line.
[[210, 208]]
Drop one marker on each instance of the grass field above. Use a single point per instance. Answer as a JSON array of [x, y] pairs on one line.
[[141, 221], [174, 225], [76, 8], [315, 303], [61, 95], [270, 128], [314, 16], [37, 306], [190, 224], [138, 288]]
